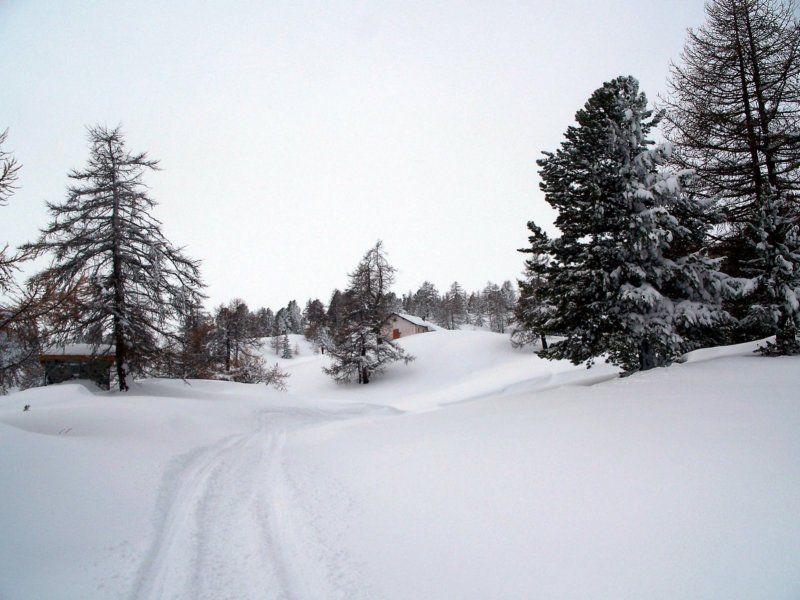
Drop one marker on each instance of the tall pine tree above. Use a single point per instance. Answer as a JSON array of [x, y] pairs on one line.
[[773, 292], [615, 282], [136, 289]]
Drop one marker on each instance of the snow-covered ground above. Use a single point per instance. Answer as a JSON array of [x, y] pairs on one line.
[[478, 471]]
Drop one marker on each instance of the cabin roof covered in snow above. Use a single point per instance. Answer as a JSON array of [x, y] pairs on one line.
[[79, 350], [416, 320]]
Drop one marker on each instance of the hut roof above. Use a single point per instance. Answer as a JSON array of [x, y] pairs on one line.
[[76, 350], [416, 320]]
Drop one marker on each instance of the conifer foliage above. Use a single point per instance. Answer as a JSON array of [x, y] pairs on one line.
[[358, 349], [9, 173], [734, 116], [533, 309], [732, 113], [18, 335], [773, 293], [615, 283], [136, 288]]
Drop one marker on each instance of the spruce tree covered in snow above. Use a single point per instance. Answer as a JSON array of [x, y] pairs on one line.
[[234, 341], [733, 115], [335, 315], [294, 318], [281, 323], [498, 303], [394, 303], [508, 293], [286, 346], [426, 301], [533, 309], [136, 288], [263, 321], [359, 350], [614, 282], [453, 312], [315, 319], [773, 294], [476, 309]]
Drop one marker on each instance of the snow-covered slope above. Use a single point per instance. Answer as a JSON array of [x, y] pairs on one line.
[[449, 366], [478, 471]]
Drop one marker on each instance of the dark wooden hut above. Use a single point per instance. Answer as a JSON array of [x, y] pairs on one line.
[[78, 361]]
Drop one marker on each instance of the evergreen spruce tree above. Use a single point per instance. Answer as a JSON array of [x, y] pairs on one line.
[[335, 314], [315, 319], [286, 346], [294, 318], [773, 293], [280, 325], [426, 301], [136, 288], [496, 303], [359, 350], [534, 309], [234, 341], [264, 320], [733, 115], [454, 307], [614, 282], [476, 309]]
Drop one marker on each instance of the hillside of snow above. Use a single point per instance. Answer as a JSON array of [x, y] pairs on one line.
[[477, 471]]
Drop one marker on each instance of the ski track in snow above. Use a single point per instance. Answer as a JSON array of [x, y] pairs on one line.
[[230, 529], [235, 525]]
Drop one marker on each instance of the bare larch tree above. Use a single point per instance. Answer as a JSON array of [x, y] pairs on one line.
[[134, 286]]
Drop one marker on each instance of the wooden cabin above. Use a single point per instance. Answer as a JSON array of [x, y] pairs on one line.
[[400, 325], [78, 361]]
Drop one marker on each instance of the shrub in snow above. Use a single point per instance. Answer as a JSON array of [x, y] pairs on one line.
[[276, 377]]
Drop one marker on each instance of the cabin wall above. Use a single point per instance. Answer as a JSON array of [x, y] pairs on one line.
[[404, 327], [98, 371]]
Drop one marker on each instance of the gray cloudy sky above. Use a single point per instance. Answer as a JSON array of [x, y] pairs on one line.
[[292, 135]]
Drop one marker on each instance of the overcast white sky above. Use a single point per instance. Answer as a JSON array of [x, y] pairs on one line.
[[292, 135]]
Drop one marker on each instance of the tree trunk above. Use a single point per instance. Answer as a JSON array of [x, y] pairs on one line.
[[763, 119], [544, 342], [363, 370], [646, 358], [752, 141], [121, 350]]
